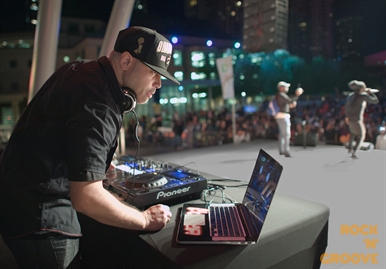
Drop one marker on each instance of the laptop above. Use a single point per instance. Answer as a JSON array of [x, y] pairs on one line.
[[197, 220]]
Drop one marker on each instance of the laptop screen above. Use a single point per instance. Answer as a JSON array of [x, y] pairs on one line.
[[261, 188]]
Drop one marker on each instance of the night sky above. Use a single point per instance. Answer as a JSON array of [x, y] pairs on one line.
[[373, 12]]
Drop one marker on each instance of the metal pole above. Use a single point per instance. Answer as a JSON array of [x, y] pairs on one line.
[[233, 120], [45, 44], [119, 19]]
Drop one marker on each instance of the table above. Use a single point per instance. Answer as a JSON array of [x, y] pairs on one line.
[[294, 236]]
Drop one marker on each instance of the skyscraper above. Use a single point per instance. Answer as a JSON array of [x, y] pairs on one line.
[[265, 25], [311, 25], [226, 16], [349, 32]]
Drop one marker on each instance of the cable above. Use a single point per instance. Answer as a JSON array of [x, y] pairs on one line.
[[183, 166], [136, 133], [224, 180], [136, 154], [209, 195]]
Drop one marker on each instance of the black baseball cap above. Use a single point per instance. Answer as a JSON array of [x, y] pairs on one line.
[[356, 85], [148, 46]]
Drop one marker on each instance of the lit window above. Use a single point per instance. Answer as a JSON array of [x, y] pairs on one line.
[[34, 7], [212, 59], [199, 95], [177, 58], [179, 75], [192, 3], [163, 101], [174, 100], [198, 59], [197, 75], [302, 24]]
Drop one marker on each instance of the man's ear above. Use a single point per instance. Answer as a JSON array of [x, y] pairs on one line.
[[126, 60]]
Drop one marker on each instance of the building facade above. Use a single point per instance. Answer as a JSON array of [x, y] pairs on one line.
[[311, 28], [349, 39], [193, 64], [265, 25]]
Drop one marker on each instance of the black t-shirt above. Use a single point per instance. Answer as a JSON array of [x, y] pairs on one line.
[[68, 132], [283, 101]]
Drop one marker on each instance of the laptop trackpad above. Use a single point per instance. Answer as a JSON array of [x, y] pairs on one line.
[[191, 219]]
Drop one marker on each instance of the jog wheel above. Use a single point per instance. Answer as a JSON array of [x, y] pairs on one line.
[[147, 180]]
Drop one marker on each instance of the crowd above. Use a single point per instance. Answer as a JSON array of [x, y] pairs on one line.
[[323, 117]]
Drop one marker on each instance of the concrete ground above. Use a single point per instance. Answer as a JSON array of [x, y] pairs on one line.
[[353, 189]]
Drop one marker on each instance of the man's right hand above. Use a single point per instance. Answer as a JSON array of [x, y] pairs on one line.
[[293, 104], [299, 91], [156, 217]]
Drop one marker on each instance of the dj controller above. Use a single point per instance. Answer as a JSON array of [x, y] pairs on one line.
[[146, 182]]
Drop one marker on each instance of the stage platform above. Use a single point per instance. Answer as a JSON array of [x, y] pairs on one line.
[[353, 189]]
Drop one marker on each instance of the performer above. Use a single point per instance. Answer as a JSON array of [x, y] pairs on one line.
[[282, 118], [380, 142], [61, 148], [355, 106]]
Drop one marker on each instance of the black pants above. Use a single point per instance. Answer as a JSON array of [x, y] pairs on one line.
[[44, 251], [357, 134], [103, 246]]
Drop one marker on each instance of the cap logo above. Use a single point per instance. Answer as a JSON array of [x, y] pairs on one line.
[[140, 41], [164, 47]]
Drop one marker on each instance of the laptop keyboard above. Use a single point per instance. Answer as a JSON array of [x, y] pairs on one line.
[[225, 222]]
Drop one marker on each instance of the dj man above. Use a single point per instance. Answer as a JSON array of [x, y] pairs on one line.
[[52, 168]]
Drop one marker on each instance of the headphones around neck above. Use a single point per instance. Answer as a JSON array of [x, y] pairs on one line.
[[130, 101]]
